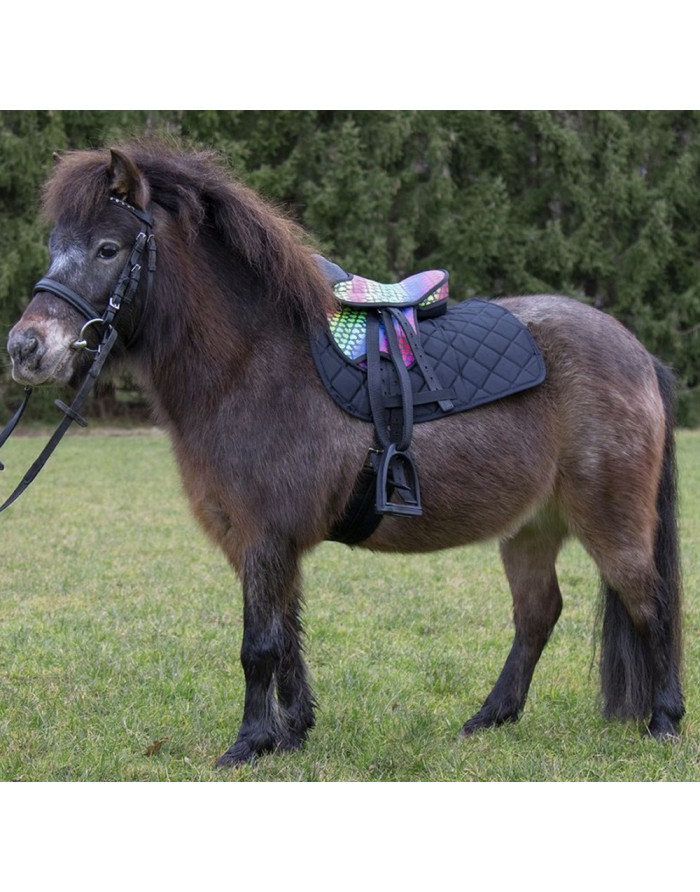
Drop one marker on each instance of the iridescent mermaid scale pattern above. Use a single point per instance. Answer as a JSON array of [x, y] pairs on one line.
[[348, 326]]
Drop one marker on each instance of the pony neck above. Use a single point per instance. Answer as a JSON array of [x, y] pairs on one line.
[[212, 326]]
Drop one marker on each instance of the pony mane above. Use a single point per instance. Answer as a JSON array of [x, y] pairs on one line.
[[195, 188]]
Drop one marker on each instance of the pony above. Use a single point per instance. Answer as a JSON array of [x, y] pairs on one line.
[[218, 335]]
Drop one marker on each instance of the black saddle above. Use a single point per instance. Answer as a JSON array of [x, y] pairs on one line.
[[395, 355]]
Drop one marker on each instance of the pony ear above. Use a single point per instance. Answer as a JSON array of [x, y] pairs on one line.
[[57, 157], [127, 181]]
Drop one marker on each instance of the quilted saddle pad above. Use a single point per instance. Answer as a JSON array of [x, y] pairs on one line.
[[479, 350]]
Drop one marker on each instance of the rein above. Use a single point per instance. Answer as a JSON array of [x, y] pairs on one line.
[[121, 296]]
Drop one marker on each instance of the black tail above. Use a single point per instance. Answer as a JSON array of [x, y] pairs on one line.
[[639, 674]]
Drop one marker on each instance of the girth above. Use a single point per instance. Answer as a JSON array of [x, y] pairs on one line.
[[395, 356]]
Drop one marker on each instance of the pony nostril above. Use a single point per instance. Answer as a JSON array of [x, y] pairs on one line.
[[27, 348], [23, 347]]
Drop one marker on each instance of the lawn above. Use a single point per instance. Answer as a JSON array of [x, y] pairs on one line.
[[120, 627]]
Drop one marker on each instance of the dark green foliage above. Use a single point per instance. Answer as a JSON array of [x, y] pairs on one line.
[[599, 205]]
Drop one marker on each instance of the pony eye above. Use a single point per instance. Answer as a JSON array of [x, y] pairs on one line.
[[107, 251]]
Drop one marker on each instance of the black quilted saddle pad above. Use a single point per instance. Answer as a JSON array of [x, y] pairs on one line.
[[479, 350]]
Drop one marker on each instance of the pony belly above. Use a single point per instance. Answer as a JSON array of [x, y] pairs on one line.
[[484, 474]]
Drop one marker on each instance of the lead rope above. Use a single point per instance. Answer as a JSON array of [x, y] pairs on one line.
[[12, 423]]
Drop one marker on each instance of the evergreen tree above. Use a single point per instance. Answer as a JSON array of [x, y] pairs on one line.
[[599, 205]]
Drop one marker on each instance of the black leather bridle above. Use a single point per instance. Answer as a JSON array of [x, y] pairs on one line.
[[120, 298]]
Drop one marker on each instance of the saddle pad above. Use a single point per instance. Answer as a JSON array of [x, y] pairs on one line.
[[478, 349]]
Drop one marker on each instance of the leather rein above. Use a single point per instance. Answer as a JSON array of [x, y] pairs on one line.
[[121, 297]]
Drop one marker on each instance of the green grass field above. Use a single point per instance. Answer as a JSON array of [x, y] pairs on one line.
[[120, 627]]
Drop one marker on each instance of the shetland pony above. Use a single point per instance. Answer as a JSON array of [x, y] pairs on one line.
[[219, 340]]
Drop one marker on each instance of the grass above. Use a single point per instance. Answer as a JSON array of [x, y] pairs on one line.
[[120, 628]]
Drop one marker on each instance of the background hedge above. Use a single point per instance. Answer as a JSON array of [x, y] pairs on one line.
[[601, 205]]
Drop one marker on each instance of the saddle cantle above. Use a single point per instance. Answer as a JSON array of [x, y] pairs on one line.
[[396, 355]]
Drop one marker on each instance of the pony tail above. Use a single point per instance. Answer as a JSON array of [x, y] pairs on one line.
[[667, 552], [626, 672], [626, 666]]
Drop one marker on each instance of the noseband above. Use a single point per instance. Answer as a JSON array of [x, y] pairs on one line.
[[121, 297], [126, 286]]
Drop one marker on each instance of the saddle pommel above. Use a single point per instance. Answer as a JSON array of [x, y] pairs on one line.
[[428, 291]]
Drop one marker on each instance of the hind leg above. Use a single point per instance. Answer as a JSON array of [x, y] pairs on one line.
[[529, 560], [640, 648], [617, 489]]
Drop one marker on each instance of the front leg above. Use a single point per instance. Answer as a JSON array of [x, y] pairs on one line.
[[294, 693], [271, 656]]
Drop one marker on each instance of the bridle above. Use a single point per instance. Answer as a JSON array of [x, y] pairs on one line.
[[120, 298], [126, 286]]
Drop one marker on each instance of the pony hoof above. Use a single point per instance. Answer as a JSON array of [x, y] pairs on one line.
[[474, 725], [470, 728], [289, 745], [663, 728], [241, 753], [231, 759], [484, 719]]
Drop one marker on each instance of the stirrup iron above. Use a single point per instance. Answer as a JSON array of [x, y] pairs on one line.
[[397, 476]]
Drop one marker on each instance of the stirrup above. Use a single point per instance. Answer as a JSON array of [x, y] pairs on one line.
[[397, 476]]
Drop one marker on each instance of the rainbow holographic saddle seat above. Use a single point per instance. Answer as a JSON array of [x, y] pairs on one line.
[[421, 296]]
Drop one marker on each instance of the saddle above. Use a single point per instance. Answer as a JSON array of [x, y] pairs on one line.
[[397, 354]]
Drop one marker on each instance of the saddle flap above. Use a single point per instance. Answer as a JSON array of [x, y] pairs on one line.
[[348, 327]]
